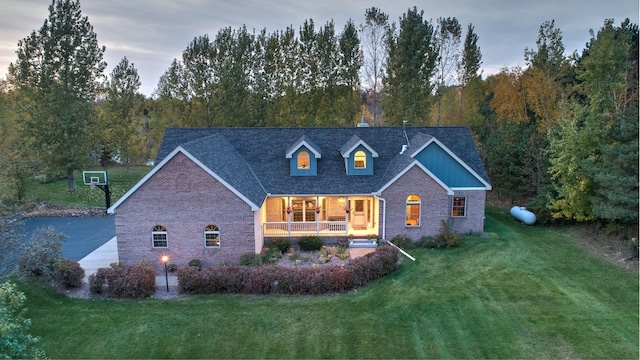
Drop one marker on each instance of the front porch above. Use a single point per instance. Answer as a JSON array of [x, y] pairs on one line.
[[324, 216]]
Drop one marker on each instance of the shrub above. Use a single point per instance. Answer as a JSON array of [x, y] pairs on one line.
[[271, 255], [447, 238], [310, 243], [42, 252], [195, 263], [324, 256], [403, 241], [172, 268], [427, 242], [124, 281], [278, 280], [251, 259], [68, 273], [283, 244]]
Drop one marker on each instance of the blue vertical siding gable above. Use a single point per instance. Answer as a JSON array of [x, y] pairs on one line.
[[446, 167], [351, 161]]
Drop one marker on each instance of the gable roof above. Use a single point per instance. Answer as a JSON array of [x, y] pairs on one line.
[[253, 161], [352, 144], [306, 142]]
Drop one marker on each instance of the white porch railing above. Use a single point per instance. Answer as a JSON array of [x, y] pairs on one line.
[[321, 228]]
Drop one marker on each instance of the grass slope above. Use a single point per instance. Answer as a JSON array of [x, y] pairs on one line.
[[57, 193], [521, 292]]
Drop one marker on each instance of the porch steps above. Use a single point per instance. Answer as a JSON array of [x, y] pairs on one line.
[[362, 243]]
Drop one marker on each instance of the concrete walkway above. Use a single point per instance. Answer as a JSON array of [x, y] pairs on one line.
[[106, 255]]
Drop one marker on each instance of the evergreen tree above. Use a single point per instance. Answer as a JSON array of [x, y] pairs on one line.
[[412, 55], [58, 71]]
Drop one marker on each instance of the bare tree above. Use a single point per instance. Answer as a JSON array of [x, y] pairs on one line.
[[374, 31]]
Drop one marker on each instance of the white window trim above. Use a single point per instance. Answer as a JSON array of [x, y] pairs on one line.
[[355, 160], [211, 232], [153, 242], [413, 202], [465, 206]]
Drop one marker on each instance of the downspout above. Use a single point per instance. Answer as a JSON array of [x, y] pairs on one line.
[[384, 217]]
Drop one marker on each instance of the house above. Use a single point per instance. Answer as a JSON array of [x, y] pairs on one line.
[[217, 193]]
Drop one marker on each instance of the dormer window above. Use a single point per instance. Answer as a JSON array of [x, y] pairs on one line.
[[358, 156], [360, 160], [303, 160]]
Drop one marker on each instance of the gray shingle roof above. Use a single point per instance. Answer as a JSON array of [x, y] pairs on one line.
[[253, 161]]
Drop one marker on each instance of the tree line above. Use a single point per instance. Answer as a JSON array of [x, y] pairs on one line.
[[560, 132]]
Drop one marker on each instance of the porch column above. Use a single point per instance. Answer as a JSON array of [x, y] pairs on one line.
[[288, 216], [346, 215], [317, 216]]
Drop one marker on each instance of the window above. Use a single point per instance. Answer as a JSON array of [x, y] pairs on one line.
[[360, 160], [304, 210], [159, 237], [211, 236], [413, 210], [303, 160], [459, 207]]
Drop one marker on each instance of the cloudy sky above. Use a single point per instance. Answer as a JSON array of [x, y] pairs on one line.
[[151, 33]]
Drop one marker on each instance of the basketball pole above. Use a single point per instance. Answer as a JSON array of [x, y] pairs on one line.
[[107, 194]]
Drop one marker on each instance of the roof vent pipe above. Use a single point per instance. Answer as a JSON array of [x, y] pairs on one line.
[[363, 123], [404, 130]]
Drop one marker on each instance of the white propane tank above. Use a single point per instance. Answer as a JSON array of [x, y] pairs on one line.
[[524, 215]]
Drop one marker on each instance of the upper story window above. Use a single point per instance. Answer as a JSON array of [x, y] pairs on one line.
[[211, 236], [413, 210], [459, 207], [360, 160], [303, 160], [159, 237]]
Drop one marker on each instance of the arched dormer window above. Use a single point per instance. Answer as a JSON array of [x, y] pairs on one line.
[[211, 236], [360, 160], [303, 160], [159, 237], [413, 210]]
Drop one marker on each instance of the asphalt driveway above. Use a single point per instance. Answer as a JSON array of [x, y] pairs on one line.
[[84, 234]]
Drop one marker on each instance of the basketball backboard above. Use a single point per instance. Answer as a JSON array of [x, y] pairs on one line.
[[94, 177]]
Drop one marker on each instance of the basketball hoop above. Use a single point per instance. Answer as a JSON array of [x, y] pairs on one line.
[[93, 185]]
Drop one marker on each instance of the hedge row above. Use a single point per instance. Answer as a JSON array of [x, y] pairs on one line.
[[280, 280], [120, 281]]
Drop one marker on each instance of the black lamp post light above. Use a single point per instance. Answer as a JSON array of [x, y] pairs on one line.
[[165, 260]]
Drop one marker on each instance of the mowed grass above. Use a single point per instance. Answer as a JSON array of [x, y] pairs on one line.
[[57, 192], [520, 292]]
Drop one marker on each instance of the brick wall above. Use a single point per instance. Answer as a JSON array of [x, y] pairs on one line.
[[184, 199], [435, 207]]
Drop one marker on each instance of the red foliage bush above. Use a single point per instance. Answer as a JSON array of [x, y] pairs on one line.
[[280, 280], [123, 282], [68, 273]]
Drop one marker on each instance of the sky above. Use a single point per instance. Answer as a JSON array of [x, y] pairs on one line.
[[151, 33]]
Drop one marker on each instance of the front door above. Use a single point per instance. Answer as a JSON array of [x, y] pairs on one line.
[[359, 220]]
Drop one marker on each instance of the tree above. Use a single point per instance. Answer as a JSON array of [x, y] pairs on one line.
[[58, 70], [200, 79], [122, 109], [589, 184], [471, 59], [350, 60], [374, 32], [15, 342], [412, 55], [448, 36]]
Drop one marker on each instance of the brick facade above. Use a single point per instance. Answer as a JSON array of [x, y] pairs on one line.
[[183, 198], [435, 207]]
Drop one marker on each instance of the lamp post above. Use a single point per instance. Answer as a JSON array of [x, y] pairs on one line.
[[165, 260]]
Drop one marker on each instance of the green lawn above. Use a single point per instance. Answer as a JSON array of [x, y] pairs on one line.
[[521, 292], [57, 193]]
